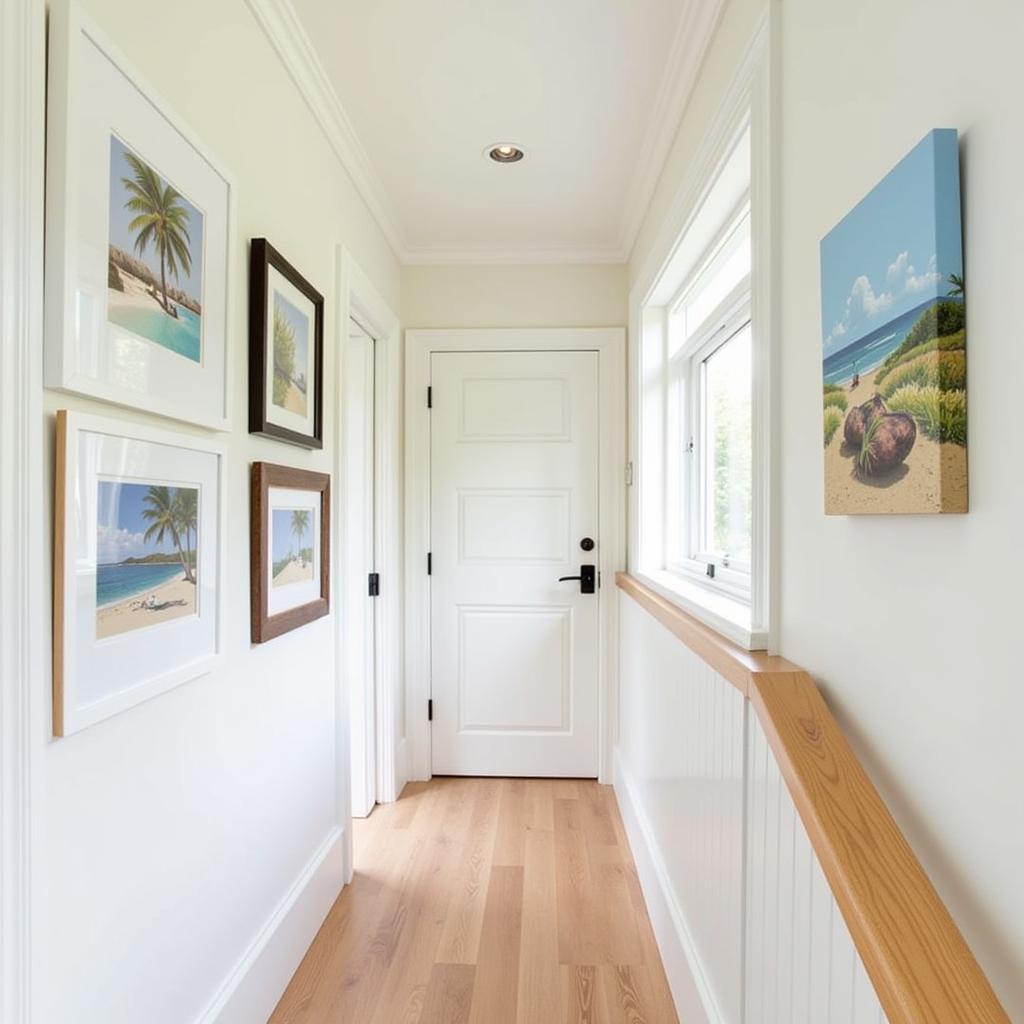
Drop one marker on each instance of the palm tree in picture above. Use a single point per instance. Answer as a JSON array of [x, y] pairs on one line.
[[957, 282], [161, 219], [186, 504], [300, 523], [162, 513]]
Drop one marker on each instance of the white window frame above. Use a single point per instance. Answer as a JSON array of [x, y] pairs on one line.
[[748, 109]]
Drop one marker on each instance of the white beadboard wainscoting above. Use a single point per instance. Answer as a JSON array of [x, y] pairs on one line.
[[746, 923]]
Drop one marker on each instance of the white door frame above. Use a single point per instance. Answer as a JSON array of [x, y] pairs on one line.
[[359, 300], [610, 344], [24, 615]]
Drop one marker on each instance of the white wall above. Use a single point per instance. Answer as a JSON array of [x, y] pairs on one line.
[[557, 295], [907, 623], [172, 832], [911, 624]]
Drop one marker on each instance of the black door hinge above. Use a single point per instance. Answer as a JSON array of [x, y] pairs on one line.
[[430, 710], [430, 563], [430, 397], [374, 587]]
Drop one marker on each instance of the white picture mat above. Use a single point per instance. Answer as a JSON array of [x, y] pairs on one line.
[[103, 677], [277, 282], [93, 96], [282, 599]]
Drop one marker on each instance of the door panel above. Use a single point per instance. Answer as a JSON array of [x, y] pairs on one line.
[[514, 489]]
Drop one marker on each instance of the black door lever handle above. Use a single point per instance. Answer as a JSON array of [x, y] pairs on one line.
[[587, 578]]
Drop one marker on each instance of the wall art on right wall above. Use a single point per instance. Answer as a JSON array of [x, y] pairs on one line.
[[894, 342]]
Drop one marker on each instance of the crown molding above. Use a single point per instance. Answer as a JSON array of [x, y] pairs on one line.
[[694, 34], [282, 27], [425, 256]]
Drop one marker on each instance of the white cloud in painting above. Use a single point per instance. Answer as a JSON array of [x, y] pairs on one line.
[[115, 544], [903, 277], [898, 269], [921, 282], [864, 300]]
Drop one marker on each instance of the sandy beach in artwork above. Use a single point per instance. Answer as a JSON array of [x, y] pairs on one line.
[[135, 295], [294, 572], [933, 478], [162, 603]]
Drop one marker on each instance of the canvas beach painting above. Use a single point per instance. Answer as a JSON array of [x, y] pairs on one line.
[[155, 256], [894, 343], [292, 540], [286, 343], [146, 545]]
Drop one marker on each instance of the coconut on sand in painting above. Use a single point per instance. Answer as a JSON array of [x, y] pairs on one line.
[[895, 359]]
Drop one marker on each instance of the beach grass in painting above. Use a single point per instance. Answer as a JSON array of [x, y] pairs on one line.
[[292, 531], [894, 342], [146, 543], [155, 257], [291, 356]]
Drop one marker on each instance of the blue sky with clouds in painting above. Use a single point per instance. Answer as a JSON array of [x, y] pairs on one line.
[[120, 527], [897, 247]]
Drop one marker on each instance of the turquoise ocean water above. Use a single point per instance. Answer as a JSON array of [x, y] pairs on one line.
[[116, 582], [181, 335]]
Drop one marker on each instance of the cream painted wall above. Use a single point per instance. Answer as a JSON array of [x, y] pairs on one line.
[[171, 832], [911, 624], [907, 623], [556, 295]]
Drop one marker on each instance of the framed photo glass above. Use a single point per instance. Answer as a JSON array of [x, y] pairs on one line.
[[138, 238], [286, 343], [290, 575], [138, 555]]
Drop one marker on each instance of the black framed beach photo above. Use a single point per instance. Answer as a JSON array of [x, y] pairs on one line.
[[894, 342], [138, 556], [139, 228], [286, 339]]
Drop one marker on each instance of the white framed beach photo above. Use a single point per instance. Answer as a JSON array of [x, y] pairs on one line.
[[138, 558], [139, 224]]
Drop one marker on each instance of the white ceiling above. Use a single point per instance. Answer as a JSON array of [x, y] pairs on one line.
[[414, 91]]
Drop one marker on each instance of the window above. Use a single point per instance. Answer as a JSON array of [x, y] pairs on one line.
[[708, 438], [697, 505]]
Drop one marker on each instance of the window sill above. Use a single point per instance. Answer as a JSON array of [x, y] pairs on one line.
[[724, 614]]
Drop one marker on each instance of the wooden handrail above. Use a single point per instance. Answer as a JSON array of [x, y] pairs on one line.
[[920, 965]]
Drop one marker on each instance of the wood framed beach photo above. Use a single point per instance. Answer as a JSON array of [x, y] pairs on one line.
[[286, 350], [290, 576], [139, 225], [894, 342], [137, 565]]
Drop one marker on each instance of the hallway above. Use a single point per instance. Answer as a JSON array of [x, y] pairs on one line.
[[486, 900]]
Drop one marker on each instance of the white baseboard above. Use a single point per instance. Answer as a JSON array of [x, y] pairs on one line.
[[695, 1002], [252, 990]]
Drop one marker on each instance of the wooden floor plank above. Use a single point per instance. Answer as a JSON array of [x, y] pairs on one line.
[[495, 990], [486, 900]]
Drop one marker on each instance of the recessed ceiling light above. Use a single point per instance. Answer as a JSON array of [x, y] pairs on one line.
[[505, 153]]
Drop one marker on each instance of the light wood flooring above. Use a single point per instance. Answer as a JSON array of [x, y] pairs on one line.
[[486, 901]]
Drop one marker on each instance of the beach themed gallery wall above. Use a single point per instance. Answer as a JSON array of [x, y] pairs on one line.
[[289, 573], [894, 343], [139, 222], [138, 556], [286, 350]]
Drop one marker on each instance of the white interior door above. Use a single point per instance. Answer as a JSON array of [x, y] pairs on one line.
[[513, 507], [360, 552]]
